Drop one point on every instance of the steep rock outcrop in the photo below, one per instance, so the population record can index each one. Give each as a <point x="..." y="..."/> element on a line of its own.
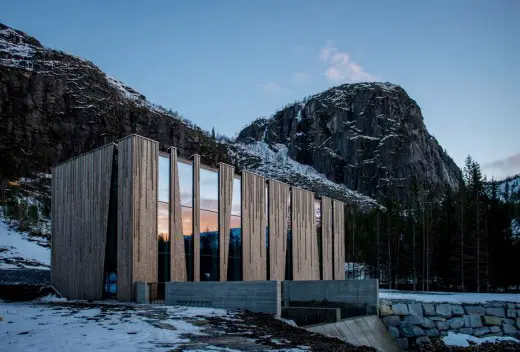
<point x="370" y="137"/>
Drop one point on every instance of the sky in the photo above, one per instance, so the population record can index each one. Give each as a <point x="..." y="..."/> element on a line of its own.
<point x="222" y="64"/>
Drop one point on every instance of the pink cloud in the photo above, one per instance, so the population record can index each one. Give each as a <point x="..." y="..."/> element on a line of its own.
<point x="341" y="67"/>
<point x="504" y="167"/>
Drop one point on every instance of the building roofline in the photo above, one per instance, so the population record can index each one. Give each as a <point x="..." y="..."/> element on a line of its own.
<point x="83" y="154"/>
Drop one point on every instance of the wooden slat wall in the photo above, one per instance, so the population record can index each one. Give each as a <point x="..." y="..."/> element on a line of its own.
<point x="254" y="253"/>
<point x="278" y="212"/>
<point x="138" y="159"/>
<point x="196" y="217"/>
<point x="225" y="198"/>
<point x="177" y="253"/>
<point x="304" y="238"/>
<point x="80" y="200"/>
<point x="338" y="209"/>
<point x="326" y="237"/>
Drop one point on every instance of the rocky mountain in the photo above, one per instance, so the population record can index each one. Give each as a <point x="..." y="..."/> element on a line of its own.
<point x="371" y="137"/>
<point x="54" y="106"/>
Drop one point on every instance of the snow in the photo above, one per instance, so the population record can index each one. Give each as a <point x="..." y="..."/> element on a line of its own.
<point x="463" y="340"/>
<point x="452" y="297"/>
<point x="36" y="327"/>
<point x="16" y="244"/>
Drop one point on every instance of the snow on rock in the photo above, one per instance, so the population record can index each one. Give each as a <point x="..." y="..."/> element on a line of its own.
<point x="16" y="250"/>
<point x="463" y="340"/>
<point x="452" y="297"/>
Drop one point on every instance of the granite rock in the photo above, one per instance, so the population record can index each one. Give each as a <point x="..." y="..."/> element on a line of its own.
<point x="392" y="320"/>
<point x="489" y="320"/>
<point x="412" y="331"/>
<point x="496" y="312"/>
<point x="481" y="331"/>
<point x="429" y="309"/>
<point x="400" y="309"/>
<point x="456" y="323"/>
<point x="472" y="321"/>
<point x="385" y="310"/>
<point x="443" y="310"/>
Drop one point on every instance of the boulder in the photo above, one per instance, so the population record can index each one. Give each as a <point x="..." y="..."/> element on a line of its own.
<point x="488" y="320"/>
<point x="509" y="330"/>
<point x="412" y="331"/>
<point x="422" y="341"/>
<point x="400" y="309"/>
<point x="385" y="310"/>
<point x="428" y="323"/>
<point x="438" y="319"/>
<point x="385" y="302"/>
<point x="432" y="333"/>
<point x="495" y="329"/>
<point x="494" y="305"/>
<point x="395" y="331"/>
<point x="496" y="312"/>
<point x="518" y="323"/>
<point x="412" y="320"/>
<point x="443" y="310"/>
<point x="456" y="323"/>
<point x="475" y="310"/>
<point x="415" y="309"/>
<point x="467" y="331"/>
<point x="443" y="325"/>
<point x="402" y="342"/>
<point x="429" y="309"/>
<point x="457" y="310"/>
<point x="472" y="321"/>
<point x="511" y="313"/>
<point x="508" y="321"/>
<point x="392" y="320"/>
<point x="481" y="331"/>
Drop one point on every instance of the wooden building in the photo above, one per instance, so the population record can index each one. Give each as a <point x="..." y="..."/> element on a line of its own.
<point x="127" y="212"/>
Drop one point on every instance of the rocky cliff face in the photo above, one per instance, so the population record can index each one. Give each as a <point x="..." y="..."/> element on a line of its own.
<point x="54" y="106"/>
<point x="368" y="136"/>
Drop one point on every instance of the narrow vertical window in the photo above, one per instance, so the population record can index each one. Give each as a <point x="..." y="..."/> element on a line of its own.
<point x="186" y="194"/>
<point x="163" y="220"/>
<point x="235" y="237"/>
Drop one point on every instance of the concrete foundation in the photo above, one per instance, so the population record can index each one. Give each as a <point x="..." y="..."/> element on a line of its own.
<point x="142" y="293"/>
<point x="354" y="297"/>
<point x="304" y="316"/>
<point x="256" y="296"/>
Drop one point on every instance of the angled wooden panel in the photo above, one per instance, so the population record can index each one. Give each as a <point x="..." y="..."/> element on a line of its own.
<point x="177" y="253"/>
<point x="196" y="217"/>
<point x="80" y="200"/>
<point x="254" y="259"/>
<point x="326" y="237"/>
<point x="278" y="215"/>
<point x="137" y="255"/>
<point x="338" y="215"/>
<point x="225" y="198"/>
<point x="304" y="238"/>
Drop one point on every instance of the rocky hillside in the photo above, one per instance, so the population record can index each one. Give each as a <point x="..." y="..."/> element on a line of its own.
<point x="370" y="137"/>
<point x="54" y="106"/>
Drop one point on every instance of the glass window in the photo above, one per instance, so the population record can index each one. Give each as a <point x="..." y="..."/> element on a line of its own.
<point x="162" y="221"/>
<point x="208" y="190"/>
<point x="164" y="179"/>
<point x="235" y="237"/>
<point x="186" y="193"/>
<point x="209" y="241"/>
<point x="236" y="208"/>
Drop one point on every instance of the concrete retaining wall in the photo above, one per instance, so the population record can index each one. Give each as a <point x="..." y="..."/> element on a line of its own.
<point x="256" y="296"/>
<point x="412" y="323"/>
<point x="354" y="297"/>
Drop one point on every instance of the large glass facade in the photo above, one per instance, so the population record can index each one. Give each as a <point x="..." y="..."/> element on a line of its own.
<point x="235" y="237"/>
<point x="163" y="220"/>
<point x="185" y="170"/>
<point x="209" y="241"/>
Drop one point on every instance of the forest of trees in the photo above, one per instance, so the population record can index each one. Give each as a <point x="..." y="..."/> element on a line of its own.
<point x="461" y="241"/>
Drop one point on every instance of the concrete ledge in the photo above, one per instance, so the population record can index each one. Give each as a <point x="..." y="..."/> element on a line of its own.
<point x="354" y="297"/>
<point x="256" y="296"/>
<point x="142" y="293"/>
<point x="304" y="316"/>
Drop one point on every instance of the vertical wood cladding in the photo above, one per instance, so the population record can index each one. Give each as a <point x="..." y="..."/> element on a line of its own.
<point x="254" y="252"/>
<point x="137" y="214"/>
<point x="196" y="217"/>
<point x="80" y="199"/>
<point x="278" y="195"/>
<point x="304" y="239"/>
<point x="225" y="199"/>
<point x="338" y="209"/>
<point x="326" y="237"/>
<point x="177" y="253"/>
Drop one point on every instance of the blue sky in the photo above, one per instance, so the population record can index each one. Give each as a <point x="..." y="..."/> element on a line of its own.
<point x="223" y="63"/>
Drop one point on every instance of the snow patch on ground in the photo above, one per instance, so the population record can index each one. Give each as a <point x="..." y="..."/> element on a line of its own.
<point x="15" y="245"/>
<point x="463" y="340"/>
<point x="452" y="297"/>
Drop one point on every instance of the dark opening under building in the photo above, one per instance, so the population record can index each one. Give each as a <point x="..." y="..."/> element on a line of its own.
<point x="127" y="213"/>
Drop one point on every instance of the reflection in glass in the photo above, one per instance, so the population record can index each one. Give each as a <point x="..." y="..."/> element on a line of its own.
<point x="236" y="209"/>
<point x="288" y="258"/>
<point x="186" y="193"/>
<point x="209" y="251"/>
<point x="208" y="190"/>
<point x="163" y="242"/>
<point x="186" y="182"/>
<point x="164" y="179"/>
<point x="235" y="249"/>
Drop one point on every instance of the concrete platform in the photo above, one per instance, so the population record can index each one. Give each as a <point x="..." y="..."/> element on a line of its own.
<point x="361" y="331"/>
